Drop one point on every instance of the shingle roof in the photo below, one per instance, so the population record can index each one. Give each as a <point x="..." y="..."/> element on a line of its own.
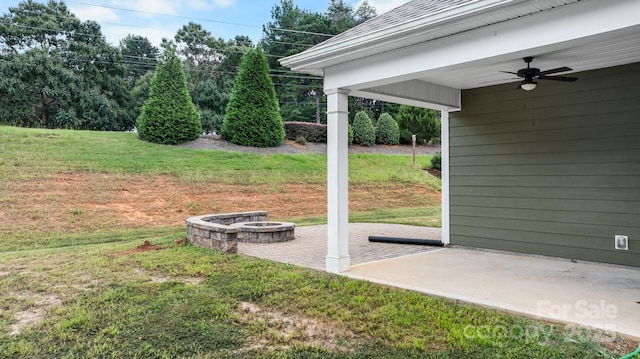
<point x="407" y="12"/>
<point x="417" y="21"/>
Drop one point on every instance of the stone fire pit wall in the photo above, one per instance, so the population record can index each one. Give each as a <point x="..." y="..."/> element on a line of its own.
<point x="213" y="231"/>
<point x="265" y="232"/>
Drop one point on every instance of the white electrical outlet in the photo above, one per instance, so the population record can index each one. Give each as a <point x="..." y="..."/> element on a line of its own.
<point x="621" y="242"/>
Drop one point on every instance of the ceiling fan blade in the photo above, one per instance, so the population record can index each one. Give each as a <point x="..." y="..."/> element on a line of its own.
<point x="509" y="72"/>
<point x="558" y="78"/>
<point x="500" y="80"/>
<point x="555" y="71"/>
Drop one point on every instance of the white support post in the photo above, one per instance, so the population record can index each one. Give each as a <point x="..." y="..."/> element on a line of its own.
<point x="338" y="259"/>
<point x="444" y="141"/>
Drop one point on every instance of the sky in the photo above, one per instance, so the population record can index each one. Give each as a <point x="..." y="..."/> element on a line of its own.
<point x="156" y="19"/>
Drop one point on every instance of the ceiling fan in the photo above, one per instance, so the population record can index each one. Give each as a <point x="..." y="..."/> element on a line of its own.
<point x="531" y="74"/>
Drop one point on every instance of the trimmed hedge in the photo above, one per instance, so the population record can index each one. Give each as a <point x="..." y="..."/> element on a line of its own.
<point x="387" y="131"/>
<point x="312" y="132"/>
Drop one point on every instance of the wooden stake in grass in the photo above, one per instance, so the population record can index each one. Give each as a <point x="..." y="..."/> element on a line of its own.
<point x="413" y="148"/>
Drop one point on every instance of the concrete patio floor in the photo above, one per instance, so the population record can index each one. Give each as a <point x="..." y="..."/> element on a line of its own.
<point x="562" y="290"/>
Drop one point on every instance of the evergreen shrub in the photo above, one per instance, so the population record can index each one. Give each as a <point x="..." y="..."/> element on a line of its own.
<point x="363" y="131"/>
<point x="253" y="114"/>
<point x="422" y="122"/>
<point x="436" y="161"/>
<point x="387" y="130"/>
<point x="169" y="116"/>
<point x="312" y="132"/>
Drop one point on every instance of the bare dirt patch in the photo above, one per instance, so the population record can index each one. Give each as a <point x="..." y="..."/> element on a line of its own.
<point x="144" y="247"/>
<point x="77" y="202"/>
<point x="32" y="316"/>
<point x="155" y="278"/>
<point x="286" y="328"/>
<point x="27" y="318"/>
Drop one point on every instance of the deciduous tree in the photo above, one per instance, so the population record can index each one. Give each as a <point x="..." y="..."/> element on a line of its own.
<point x="139" y="56"/>
<point x="59" y="72"/>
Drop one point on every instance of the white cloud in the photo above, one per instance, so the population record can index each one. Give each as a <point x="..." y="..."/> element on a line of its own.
<point x="198" y="4"/>
<point x="97" y="14"/>
<point x="383" y="6"/>
<point x="224" y="3"/>
<point x="115" y="33"/>
<point x="208" y="4"/>
<point x="148" y="6"/>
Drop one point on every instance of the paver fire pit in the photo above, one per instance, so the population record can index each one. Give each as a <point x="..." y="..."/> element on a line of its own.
<point x="265" y="232"/>
<point x="224" y="231"/>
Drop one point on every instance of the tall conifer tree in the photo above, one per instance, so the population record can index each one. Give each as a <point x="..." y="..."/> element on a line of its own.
<point x="253" y="114"/>
<point x="169" y="116"/>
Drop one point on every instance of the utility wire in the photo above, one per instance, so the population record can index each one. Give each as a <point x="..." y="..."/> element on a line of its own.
<point x="141" y="41"/>
<point x="149" y="59"/>
<point x="149" y="64"/>
<point x="152" y="66"/>
<point x="142" y="27"/>
<point x="201" y="19"/>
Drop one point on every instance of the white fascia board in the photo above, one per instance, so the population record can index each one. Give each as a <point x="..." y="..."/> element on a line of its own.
<point x="402" y="100"/>
<point x="312" y="60"/>
<point x="415" y="93"/>
<point x="571" y="25"/>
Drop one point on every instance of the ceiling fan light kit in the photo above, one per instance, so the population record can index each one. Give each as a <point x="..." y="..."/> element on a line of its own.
<point x="531" y="74"/>
<point x="528" y="85"/>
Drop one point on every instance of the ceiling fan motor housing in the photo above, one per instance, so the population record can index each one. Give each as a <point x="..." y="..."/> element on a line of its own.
<point x="530" y="74"/>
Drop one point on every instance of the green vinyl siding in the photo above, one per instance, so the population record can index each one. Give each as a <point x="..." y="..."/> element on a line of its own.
<point x="553" y="171"/>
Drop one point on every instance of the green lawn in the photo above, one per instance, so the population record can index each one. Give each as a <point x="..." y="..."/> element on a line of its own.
<point x="91" y="294"/>
<point x="32" y="152"/>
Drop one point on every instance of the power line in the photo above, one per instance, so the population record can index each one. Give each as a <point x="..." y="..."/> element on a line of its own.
<point x="201" y="19"/>
<point x="143" y="41"/>
<point x="287" y="73"/>
<point x="152" y="65"/>
<point x="102" y="36"/>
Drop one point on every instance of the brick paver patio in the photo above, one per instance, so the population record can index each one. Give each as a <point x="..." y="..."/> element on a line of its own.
<point x="309" y="249"/>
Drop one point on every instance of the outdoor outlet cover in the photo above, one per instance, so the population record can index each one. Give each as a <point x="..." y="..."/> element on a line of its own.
<point x="622" y="242"/>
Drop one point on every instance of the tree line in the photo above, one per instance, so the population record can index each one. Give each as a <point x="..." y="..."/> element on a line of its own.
<point x="57" y="71"/>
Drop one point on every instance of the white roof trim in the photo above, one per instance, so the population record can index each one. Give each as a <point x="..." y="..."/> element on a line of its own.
<point x="396" y="36"/>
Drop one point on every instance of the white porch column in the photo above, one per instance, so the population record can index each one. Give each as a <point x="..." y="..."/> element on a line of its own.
<point x="444" y="141"/>
<point x="338" y="259"/>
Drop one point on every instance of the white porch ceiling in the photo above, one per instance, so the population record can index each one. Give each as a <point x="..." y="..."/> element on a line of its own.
<point x="612" y="50"/>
